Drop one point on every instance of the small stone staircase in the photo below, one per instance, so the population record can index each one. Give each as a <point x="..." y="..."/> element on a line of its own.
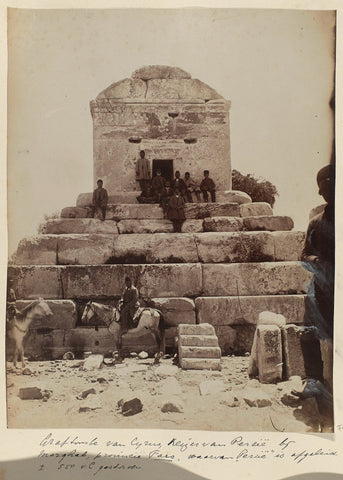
<point x="198" y="347"/>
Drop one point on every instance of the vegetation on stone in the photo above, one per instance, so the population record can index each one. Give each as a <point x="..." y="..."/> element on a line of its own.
<point x="259" y="189"/>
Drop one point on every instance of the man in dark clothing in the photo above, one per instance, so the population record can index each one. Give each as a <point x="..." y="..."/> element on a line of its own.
<point x="319" y="257"/>
<point x="143" y="172"/>
<point x="128" y="305"/>
<point x="208" y="185"/>
<point x="176" y="211"/>
<point x="166" y="194"/>
<point x="100" y="199"/>
<point x="158" y="184"/>
<point x="179" y="184"/>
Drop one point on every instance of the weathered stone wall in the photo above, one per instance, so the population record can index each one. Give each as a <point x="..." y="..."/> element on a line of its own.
<point x="179" y="119"/>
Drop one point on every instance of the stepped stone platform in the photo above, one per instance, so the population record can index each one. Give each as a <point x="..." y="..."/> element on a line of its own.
<point x="233" y="260"/>
<point x="198" y="347"/>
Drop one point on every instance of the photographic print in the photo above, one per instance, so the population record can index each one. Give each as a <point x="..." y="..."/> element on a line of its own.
<point x="171" y="180"/>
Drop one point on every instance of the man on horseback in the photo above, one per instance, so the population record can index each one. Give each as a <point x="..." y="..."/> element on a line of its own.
<point x="128" y="305"/>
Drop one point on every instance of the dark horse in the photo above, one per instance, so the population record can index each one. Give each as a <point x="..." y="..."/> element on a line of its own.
<point x="150" y="319"/>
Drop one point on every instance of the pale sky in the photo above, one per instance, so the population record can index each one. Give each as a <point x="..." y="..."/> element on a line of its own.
<point x="276" y="67"/>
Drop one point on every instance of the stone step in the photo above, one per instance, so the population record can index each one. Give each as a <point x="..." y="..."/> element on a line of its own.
<point x="160" y="280"/>
<point x="211" y="247"/>
<point x="204" y="329"/>
<point x="132" y="226"/>
<point x="198" y="341"/>
<point x="249" y="279"/>
<point x="219" y="311"/>
<point x="85" y="199"/>
<point x="201" y="364"/>
<point x="154" y="211"/>
<point x="199" y="352"/>
<point x="257" y="223"/>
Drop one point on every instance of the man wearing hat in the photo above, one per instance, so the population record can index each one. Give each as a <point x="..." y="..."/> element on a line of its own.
<point x="128" y="305"/>
<point x="100" y="199"/>
<point x="319" y="257"/>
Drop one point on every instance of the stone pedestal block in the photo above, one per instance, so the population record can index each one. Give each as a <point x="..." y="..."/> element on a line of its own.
<point x="135" y="212"/>
<point x="204" y="210"/>
<point x="255" y="279"/>
<point x="76" y="212"/>
<point x="204" y="329"/>
<point x="201" y="364"/>
<point x="31" y="282"/>
<point x="288" y="245"/>
<point x="255" y="209"/>
<point x="85" y="199"/>
<point x="158" y="226"/>
<point x="233" y="196"/>
<point x="292" y="352"/>
<point x="269" y="353"/>
<point x="244" y="310"/>
<point x="268" y="222"/>
<point x="198" y="341"/>
<point x="84" y="249"/>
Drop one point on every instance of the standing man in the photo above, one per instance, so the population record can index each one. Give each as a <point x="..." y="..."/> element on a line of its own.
<point x="100" y="199"/>
<point x="143" y="172"/>
<point x="128" y="305"/>
<point x="158" y="184"/>
<point x="179" y="184"/>
<point x="319" y="257"/>
<point x="176" y="212"/>
<point x="208" y="185"/>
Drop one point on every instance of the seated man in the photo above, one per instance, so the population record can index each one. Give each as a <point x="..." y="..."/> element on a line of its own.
<point x="157" y="184"/>
<point x="147" y="196"/>
<point x="179" y="184"/>
<point x="100" y="199"/>
<point x="128" y="305"/>
<point x="191" y="186"/>
<point x="208" y="185"/>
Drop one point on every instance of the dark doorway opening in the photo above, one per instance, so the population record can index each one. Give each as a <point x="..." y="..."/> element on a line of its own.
<point x="166" y="167"/>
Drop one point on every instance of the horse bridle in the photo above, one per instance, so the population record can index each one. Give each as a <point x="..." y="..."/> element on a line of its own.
<point x="89" y="304"/>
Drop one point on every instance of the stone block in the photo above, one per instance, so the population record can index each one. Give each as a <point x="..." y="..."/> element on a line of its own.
<point x="93" y="362"/>
<point x="64" y="314"/>
<point x="256" y="398"/>
<point x="255" y="209"/>
<point x="233" y="196"/>
<point x="80" y="226"/>
<point x="76" y="212"/>
<point x="234" y="247"/>
<point x="159" y="71"/>
<point x="288" y="245"/>
<point x="127" y="88"/>
<point x="268" y="222"/>
<point x="84" y="339"/>
<point x="84" y="249"/>
<point x="269" y="353"/>
<point x="199" y="352"/>
<point x="157" y="226"/>
<point x="204" y="329"/>
<point x="36" y="281"/>
<point x="176" y="310"/>
<point x="244" y="310"/>
<point x="173" y="406"/>
<point x="179" y="88"/>
<point x="101" y="281"/>
<point x="30" y="393"/>
<point x="223" y="224"/>
<point x="200" y="364"/>
<point x="136" y="212"/>
<point x="85" y="199"/>
<point x="271" y="318"/>
<point x="204" y="210"/>
<point x="198" y="340"/>
<point x="154" y="248"/>
<point x="272" y="278"/>
<point x="292" y="352"/>
<point x="39" y="250"/>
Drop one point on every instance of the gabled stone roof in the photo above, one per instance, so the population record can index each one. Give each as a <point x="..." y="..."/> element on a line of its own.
<point x="156" y="82"/>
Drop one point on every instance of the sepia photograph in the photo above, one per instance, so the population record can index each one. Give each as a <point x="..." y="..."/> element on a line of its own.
<point x="171" y="230"/>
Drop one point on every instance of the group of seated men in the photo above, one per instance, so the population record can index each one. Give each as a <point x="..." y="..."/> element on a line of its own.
<point x="159" y="190"/>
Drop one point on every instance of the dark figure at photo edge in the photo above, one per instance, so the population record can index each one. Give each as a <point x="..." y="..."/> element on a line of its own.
<point x="318" y="256"/>
<point x="100" y="199"/>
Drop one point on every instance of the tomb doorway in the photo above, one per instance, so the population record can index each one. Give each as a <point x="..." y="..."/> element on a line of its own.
<point x="166" y="167"/>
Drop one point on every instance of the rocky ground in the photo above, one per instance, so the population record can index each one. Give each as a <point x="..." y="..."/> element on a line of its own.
<point x="77" y="393"/>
